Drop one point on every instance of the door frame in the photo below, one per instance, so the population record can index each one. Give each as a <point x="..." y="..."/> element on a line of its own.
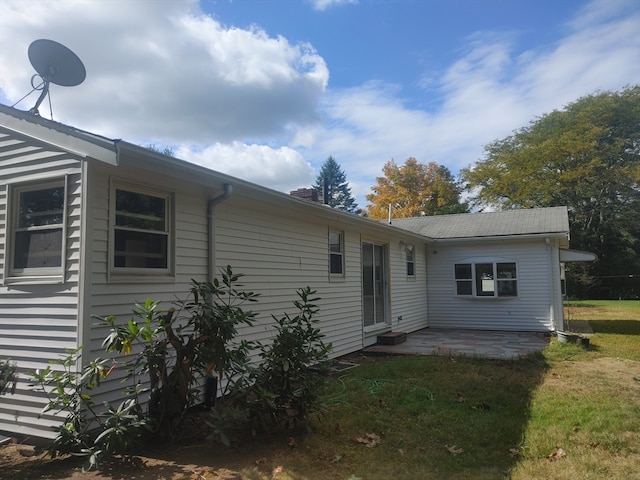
<point x="384" y="297"/>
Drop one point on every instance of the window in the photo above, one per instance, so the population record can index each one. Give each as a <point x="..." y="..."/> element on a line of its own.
<point x="37" y="237"/>
<point x="141" y="225"/>
<point x="486" y="279"/>
<point x="411" y="260"/>
<point x="336" y="253"/>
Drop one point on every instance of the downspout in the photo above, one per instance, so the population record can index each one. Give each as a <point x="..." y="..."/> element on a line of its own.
<point x="211" y="215"/>
<point x="211" y="382"/>
<point x="556" y="316"/>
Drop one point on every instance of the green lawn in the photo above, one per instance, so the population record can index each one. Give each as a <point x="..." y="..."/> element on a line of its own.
<point x="567" y="413"/>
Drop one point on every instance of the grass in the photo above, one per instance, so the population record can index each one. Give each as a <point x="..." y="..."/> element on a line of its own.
<point x="566" y="413"/>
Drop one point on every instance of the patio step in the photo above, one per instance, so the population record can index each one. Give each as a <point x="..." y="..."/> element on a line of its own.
<point x="392" y="338"/>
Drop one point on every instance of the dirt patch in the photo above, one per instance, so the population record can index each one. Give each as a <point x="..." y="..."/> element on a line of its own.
<point x="210" y="462"/>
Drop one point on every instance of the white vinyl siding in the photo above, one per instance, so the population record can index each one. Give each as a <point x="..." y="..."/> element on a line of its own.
<point x="38" y="320"/>
<point x="279" y="246"/>
<point x="408" y="294"/>
<point x="530" y="310"/>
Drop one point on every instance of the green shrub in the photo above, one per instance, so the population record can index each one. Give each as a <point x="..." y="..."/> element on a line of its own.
<point x="88" y="429"/>
<point x="285" y="385"/>
<point x="178" y="348"/>
<point x="7" y="376"/>
<point x="167" y="355"/>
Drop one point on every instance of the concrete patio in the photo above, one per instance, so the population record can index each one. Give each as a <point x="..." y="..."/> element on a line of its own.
<point x="479" y="343"/>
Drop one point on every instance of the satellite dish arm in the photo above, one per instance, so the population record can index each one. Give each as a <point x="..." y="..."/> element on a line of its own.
<point x="43" y="94"/>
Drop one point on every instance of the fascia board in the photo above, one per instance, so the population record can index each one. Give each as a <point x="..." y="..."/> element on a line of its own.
<point x="81" y="144"/>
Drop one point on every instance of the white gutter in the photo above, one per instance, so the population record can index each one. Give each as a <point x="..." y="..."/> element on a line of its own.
<point x="557" y="313"/>
<point x="211" y="216"/>
<point x="524" y="236"/>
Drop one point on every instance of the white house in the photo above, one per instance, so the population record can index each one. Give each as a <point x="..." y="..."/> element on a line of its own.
<point x="91" y="225"/>
<point x="496" y="270"/>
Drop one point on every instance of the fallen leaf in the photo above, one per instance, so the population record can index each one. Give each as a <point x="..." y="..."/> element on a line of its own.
<point x="459" y="398"/>
<point x="370" y="440"/>
<point x="401" y="452"/>
<point x="278" y="470"/>
<point x="261" y="461"/>
<point x="481" y="406"/>
<point x="514" y="452"/>
<point x="336" y="459"/>
<point x="454" y="449"/>
<point x="293" y="443"/>
<point x="557" y="454"/>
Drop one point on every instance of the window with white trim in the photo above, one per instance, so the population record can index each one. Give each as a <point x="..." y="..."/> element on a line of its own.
<point x="336" y="253"/>
<point x="411" y="260"/>
<point x="141" y="227"/>
<point x="486" y="279"/>
<point x="37" y="233"/>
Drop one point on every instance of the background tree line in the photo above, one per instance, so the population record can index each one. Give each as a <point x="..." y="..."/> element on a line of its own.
<point x="585" y="157"/>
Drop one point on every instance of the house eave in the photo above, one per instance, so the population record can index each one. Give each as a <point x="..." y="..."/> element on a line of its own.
<point x="567" y="255"/>
<point x="136" y="156"/>
<point x="77" y="142"/>
<point x="562" y="236"/>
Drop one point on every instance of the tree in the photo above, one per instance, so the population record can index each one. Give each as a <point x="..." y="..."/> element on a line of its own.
<point x="414" y="189"/>
<point x="586" y="157"/>
<point x="333" y="188"/>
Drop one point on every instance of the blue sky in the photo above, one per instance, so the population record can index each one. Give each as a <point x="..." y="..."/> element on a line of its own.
<point x="266" y="90"/>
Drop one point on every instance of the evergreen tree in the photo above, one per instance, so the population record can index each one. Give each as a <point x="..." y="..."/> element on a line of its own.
<point x="333" y="188"/>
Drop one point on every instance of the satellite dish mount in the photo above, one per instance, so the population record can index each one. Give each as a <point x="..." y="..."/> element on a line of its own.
<point x="55" y="64"/>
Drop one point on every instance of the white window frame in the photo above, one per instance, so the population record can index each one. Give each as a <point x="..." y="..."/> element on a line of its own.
<point x="492" y="283"/>
<point x="142" y="274"/>
<point x="53" y="274"/>
<point x="410" y="258"/>
<point x="332" y="253"/>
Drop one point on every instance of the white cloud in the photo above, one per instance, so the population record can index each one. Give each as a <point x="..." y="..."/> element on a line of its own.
<point x="168" y="74"/>
<point x="282" y="168"/>
<point x="322" y="5"/>
<point x="491" y="90"/>
<point x="165" y="71"/>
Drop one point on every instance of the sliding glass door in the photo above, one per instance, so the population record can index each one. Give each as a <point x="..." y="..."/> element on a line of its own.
<point x="374" y="284"/>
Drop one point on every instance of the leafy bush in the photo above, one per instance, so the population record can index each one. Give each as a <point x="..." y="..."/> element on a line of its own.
<point x="7" y="376"/>
<point x="177" y="349"/>
<point x="167" y="355"/>
<point x="286" y="383"/>
<point x="88" y="430"/>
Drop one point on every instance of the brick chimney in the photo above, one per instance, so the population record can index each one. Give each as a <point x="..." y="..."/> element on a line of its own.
<point x="309" y="194"/>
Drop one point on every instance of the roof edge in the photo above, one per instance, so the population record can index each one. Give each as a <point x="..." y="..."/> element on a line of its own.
<point x="72" y="140"/>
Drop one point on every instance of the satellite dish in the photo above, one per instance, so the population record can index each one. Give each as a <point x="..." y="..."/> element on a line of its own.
<point x="55" y="64"/>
